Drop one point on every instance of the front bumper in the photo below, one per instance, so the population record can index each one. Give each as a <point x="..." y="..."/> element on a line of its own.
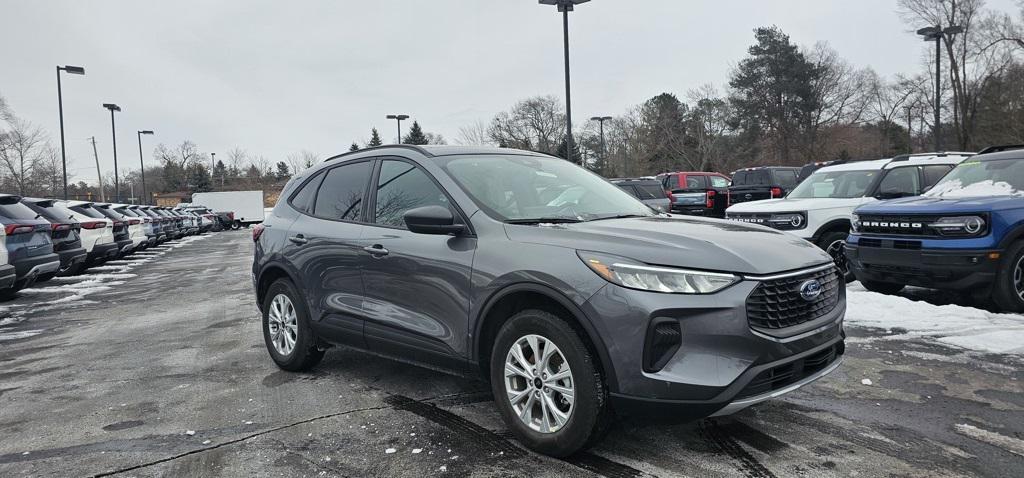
<point x="720" y="360"/>
<point x="932" y="268"/>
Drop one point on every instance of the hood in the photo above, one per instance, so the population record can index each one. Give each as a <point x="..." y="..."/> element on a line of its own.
<point x="793" y="205"/>
<point x="696" y="243"/>
<point x="940" y="205"/>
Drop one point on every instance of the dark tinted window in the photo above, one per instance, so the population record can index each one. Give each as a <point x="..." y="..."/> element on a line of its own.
<point x="106" y="211"/>
<point x="629" y="189"/>
<point x="303" y="198"/>
<point x="342" y="191"/>
<point x="88" y="211"/>
<point x="785" y="177"/>
<point x="401" y="187"/>
<point x="649" y="191"/>
<point x="17" y="211"/>
<point x="696" y="182"/>
<point x="932" y="174"/>
<point x="758" y="177"/>
<point x="901" y="181"/>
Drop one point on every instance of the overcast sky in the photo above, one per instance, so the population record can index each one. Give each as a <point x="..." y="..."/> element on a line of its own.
<point x="277" y="77"/>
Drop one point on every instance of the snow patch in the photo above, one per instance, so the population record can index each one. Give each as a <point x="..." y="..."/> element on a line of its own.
<point x="1010" y="444"/>
<point x="988" y="187"/>
<point x="962" y="327"/>
<point x="21" y="334"/>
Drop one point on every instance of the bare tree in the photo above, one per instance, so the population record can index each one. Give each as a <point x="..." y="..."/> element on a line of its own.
<point x="474" y="135"/>
<point x="535" y="124"/>
<point x="974" y="57"/>
<point x="22" y="146"/>
<point x="709" y="124"/>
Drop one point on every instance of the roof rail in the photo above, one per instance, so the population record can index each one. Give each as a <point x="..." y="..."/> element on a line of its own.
<point x="422" y="151"/>
<point x="997" y="149"/>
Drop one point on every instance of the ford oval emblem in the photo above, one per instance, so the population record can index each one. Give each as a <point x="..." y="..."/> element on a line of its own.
<point x="810" y="290"/>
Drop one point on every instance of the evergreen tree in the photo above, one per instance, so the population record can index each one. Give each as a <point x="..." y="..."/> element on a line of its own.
<point x="575" y="150"/>
<point x="198" y="177"/>
<point x="282" y="171"/>
<point x="374" y="139"/>
<point x="354" y="147"/>
<point x="219" y="173"/>
<point x="415" y="135"/>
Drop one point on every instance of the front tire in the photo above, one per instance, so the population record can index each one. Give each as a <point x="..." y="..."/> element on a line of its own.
<point x="286" y="331"/>
<point x="834" y="244"/>
<point x="1008" y="290"/>
<point x="547" y="386"/>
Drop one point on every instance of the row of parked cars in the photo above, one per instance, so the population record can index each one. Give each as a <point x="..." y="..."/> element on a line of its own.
<point x="43" y="238"/>
<point x="945" y="220"/>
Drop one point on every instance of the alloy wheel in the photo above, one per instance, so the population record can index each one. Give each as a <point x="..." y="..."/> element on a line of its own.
<point x="539" y="384"/>
<point x="1018" y="278"/>
<point x="837" y="251"/>
<point x="283" y="324"/>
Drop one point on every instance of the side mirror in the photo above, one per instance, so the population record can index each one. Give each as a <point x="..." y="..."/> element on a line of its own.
<point x="432" y="220"/>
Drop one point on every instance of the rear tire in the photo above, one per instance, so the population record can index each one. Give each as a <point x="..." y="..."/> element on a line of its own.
<point x="580" y="399"/>
<point x="286" y="330"/>
<point x="236" y="225"/>
<point x="834" y="244"/>
<point x="882" y="287"/>
<point x="1008" y="289"/>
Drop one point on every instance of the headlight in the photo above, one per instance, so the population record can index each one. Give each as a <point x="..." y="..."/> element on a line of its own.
<point x="855" y="223"/>
<point x="787" y="221"/>
<point x="960" y="226"/>
<point x="637" y="275"/>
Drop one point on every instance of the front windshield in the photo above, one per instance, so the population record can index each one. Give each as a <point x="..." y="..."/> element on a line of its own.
<point x="531" y="188"/>
<point x="1001" y="177"/>
<point x="834" y="184"/>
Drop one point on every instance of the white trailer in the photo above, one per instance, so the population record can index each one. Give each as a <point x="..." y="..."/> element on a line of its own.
<point x="246" y="205"/>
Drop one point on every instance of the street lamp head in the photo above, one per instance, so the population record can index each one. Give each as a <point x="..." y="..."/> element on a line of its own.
<point x="73" y="70"/>
<point x="953" y="30"/>
<point x="145" y="132"/>
<point x="927" y="31"/>
<point x="111" y="107"/>
<point x="563" y="5"/>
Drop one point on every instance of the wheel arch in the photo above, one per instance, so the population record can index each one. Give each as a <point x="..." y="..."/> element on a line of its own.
<point x="834" y="225"/>
<point x="503" y="303"/>
<point x="267" y="276"/>
<point x="1016" y="233"/>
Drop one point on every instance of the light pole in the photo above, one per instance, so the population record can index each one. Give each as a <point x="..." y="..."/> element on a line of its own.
<point x="566" y="6"/>
<point x="142" y="166"/>
<point x="937" y="33"/>
<point x="601" y="120"/>
<point x="72" y="70"/>
<point x="399" y="118"/>
<point x="113" y="134"/>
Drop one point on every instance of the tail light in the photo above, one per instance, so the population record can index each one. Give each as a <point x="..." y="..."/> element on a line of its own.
<point x="133" y="222"/>
<point x="710" y="201"/>
<point x="776" y="192"/>
<point x="12" y="229"/>
<point x="61" y="227"/>
<point x="231" y="216"/>
<point x="118" y="223"/>
<point x="257" y="231"/>
<point x="671" y="197"/>
<point x="146" y="220"/>
<point x="728" y="198"/>
<point x="94" y="225"/>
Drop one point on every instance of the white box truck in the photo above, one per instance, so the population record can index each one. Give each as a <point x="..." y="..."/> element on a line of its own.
<point x="247" y="206"/>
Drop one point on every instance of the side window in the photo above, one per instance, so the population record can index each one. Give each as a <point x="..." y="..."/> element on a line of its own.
<point x="900" y="181"/>
<point x="932" y="174"/>
<point x="342" y="191"/>
<point x="629" y="189"/>
<point x="649" y="191"/>
<point x="695" y="182"/>
<point x="785" y="177"/>
<point x="303" y="198"/>
<point x="401" y="187"/>
<point x="719" y="182"/>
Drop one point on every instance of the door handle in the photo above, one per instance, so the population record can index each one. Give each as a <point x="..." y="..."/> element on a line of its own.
<point x="376" y="250"/>
<point x="298" y="239"/>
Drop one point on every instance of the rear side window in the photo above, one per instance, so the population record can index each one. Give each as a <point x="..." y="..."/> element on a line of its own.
<point x="401" y="187"/>
<point x="341" y="193"/>
<point x="303" y="198"/>
<point x="785" y="177"/>
<point x="696" y="182"/>
<point x="629" y="189"/>
<point x="932" y="174"/>
<point x="88" y="211"/>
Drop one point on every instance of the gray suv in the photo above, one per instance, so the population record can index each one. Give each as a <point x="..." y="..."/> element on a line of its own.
<point x="571" y="297"/>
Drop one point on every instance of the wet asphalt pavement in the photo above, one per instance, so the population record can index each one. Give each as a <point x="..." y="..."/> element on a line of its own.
<point x="155" y="366"/>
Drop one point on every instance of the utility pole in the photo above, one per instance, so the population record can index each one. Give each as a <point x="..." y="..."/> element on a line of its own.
<point x="99" y="175"/>
<point x="910" y="130"/>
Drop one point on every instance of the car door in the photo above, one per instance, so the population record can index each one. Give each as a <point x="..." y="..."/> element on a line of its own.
<point x="323" y="245"/>
<point x="417" y="299"/>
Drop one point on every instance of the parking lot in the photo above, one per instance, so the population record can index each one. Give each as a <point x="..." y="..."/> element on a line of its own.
<point x="161" y="371"/>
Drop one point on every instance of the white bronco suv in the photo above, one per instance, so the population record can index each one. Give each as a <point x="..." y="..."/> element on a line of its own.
<point x="819" y="208"/>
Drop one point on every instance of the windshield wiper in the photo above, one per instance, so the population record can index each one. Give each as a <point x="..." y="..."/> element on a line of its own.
<point x="545" y="220"/>
<point x="619" y="216"/>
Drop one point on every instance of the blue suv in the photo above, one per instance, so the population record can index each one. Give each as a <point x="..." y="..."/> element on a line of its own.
<point x="966" y="233"/>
